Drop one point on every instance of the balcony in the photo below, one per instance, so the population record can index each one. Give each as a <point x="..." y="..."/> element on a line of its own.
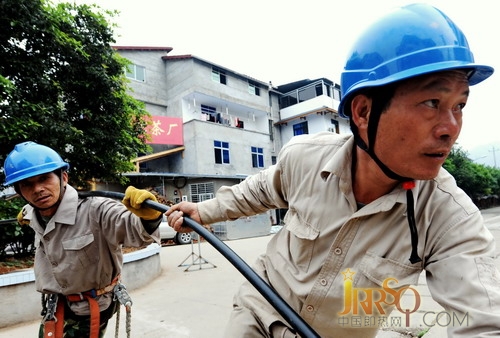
<point x="202" y="107"/>
<point x="320" y="96"/>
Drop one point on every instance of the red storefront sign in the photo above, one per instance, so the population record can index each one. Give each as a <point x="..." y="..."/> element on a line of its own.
<point x="165" y="130"/>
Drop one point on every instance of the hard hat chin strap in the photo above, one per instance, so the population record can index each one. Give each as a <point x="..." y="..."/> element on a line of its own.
<point x="407" y="183"/>
<point x="370" y="148"/>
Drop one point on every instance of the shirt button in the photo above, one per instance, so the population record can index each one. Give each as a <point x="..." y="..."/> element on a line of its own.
<point x="323" y="282"/>
<point x="338" y="251"/>
<point x="310" y="308"/>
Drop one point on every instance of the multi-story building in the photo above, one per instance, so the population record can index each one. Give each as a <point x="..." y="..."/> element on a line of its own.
<point x="308" y="107"/>
<point x="213" y="126"/>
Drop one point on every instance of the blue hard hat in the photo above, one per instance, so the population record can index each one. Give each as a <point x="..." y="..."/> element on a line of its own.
<point x="410" y="41"/>
<point x="29" y="159"/>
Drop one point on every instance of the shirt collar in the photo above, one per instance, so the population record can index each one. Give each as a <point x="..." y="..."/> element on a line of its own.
<point x="66" y="213"/>
<point x="341" y="162"/>
<point x="340" y="165"/>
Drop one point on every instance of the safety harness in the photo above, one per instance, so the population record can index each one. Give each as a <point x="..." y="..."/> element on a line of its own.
<point x="53" y="309"/>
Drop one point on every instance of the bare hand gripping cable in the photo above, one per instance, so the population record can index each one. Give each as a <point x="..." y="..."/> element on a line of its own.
<point x="298" y="324"/>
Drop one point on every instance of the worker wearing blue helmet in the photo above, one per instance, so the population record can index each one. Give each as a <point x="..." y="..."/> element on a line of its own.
<point x="368" y="212"/>
<point x="78" y="257"/>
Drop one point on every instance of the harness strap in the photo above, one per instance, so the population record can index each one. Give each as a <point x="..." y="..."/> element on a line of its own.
<point x="54" y="327"/>
<point x="95" y="313"/>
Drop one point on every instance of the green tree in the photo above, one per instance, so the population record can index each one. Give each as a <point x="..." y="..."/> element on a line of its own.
<point x="14" y="237"/>
<point x="64" y="86"/>
<point x="475" y="179"/>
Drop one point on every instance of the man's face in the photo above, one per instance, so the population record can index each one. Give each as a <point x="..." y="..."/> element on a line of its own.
<point x="43" y="191"/>
<point x="421" y="124"/>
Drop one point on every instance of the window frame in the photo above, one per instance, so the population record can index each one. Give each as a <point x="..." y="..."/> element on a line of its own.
<point x="219" y="75"/>
<point x="257" y="157"/>
<point x="300" y="128"/>
<point x="253" y="88"/>
<point x="132" y="71"/>
<point x="221" y="152"/>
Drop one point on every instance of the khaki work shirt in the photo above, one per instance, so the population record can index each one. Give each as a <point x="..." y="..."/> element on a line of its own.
<point x="332" y="261"/>
<point x="80" y="248"/>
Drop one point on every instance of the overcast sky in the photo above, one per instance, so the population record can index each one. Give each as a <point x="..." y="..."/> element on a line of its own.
<point x="285" y="41"/>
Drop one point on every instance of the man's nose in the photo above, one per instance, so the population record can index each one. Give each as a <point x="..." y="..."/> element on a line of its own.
<point x="449" y="124"/>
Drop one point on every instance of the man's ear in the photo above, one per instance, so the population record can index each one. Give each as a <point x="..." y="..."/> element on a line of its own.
<point x="64" y="176"/>
<point x="360" y="111"/>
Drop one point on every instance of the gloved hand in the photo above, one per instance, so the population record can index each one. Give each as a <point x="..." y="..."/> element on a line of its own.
<point x="133" y="201"/>
<point x="21" y="220"/>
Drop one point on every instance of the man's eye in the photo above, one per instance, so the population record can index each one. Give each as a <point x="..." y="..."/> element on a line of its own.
<point x="43" y="178"/>
<point x="25" y="184"/>
<point x="432" y="103"/>
<point x="458" y="108"/>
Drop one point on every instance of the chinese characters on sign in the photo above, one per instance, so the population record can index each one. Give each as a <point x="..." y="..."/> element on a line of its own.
<point x="165" y="130"/>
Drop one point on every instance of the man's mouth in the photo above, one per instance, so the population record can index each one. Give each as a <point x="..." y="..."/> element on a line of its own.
<point x="436" y="155"/>
<point x="42" y="199"/>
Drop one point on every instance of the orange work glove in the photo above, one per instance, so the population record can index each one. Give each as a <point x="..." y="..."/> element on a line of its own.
<point x="133" y="201"/>
<point x="21" y="220"/>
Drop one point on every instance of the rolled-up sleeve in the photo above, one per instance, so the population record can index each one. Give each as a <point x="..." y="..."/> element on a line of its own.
<point x="255" y="195"/>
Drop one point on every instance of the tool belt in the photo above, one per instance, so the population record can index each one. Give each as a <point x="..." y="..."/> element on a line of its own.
<point x="53" y="309"/>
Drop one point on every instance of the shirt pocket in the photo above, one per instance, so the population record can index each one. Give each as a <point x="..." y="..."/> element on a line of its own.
<point x="301" y="239"/>
<point x="386" y="281"/>
<point x="82" y="249"/>
<point x="377" y="269"/>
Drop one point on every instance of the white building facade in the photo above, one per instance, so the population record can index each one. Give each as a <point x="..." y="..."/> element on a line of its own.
<point x="229" y="126"/>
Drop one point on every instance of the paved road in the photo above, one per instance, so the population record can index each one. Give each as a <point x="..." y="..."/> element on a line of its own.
<point x="192" y="296"/>
<point x="492" y="220"/>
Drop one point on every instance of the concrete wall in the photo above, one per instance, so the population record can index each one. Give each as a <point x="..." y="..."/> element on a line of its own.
<point x="153" y="89"/>
<point x="184" y="76"/>
<point x="183" y="85"/>
<point x="21" y="301"/>
<point x="199" y="154"/>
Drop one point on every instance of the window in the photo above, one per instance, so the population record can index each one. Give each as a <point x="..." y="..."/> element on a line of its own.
<point x="221" y="152"/>
<point x="288" y="100"/>
<point x="271" y="129"/>
<point x="209" y="113"/>
<point x="336" y="93"/>
<point x="335" y="127"/>
<point x="208" y="109"/>
<point x="137" y="73"/>
<point x="253" y="88"/>
<point x="201" y="191"/>
<point x="218" y="75"/>
<point x="309" y="93"/>
<point x="257" y="157"/>
<point x="300" y="128"/>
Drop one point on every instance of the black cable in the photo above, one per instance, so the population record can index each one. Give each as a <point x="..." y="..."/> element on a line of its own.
<point x="8" y="221"/>
<point x="410" y="212"/>
<point x="298" y="324"/>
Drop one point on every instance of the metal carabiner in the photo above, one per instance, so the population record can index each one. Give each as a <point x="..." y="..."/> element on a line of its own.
<point x="50" y="307"/>
<point x="121" y="294"/>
